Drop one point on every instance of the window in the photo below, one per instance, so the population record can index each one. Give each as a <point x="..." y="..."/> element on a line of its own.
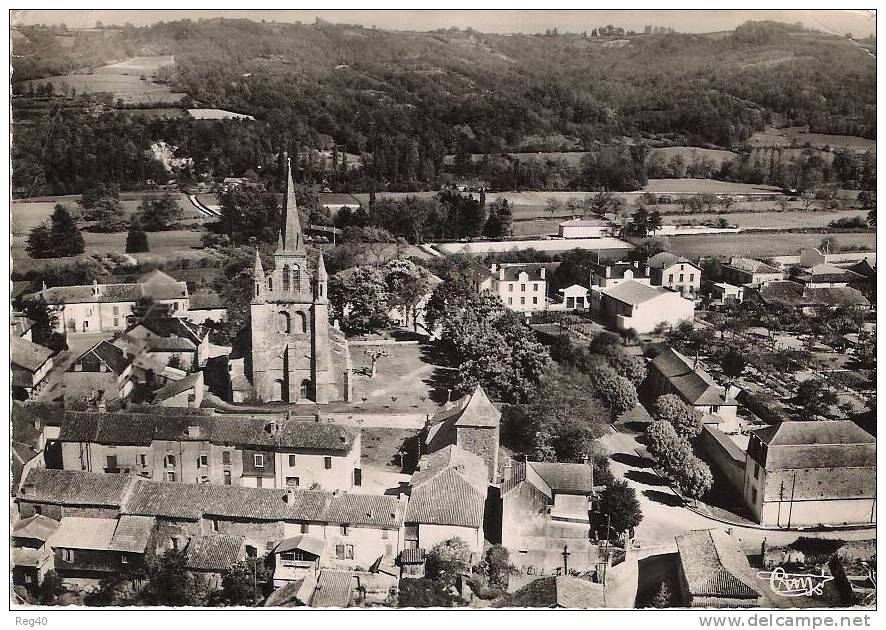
<point x="535" y="287"/>
<point x="226" y="457"/>
<point x="715" y="408"/>
<point x="511" y="286"/>
<point x="170" y="476"/>
<point x="112" y="462"/>
<point x="756" y="470"/>
<point x="345" y="530"/>
<point x="259" y="482"/>
<point x="681" y="277"/>
<point x="144" y="460"/>
<point x="204" y="460"/>
<point x="286" y="278"/>
<point x="522" y="288"/>
<point x="327" y="462"/>
<point x="358" y="477"/>
<point x="305" y="528"/>
<point x="349" y="552"/>
<point x="227" y="477"/>
<point x="670" y="277"/>
<point x="116" y="310"/>
<point x="691" y="277"/>
<point x="535" y="300"/>
<point x="292" y="461"/>
<point x="116" y="321"/>
<point x="173" y="543"/>
<point x="753" y="495"/>
<point x="510" y="301"/>
<point x="258" y="460"/>
<point x="522" y="300"/>
<point x="344" y="552"/>
<point x="68" y="555"/>
<point x="292" y="482"/>
<point x="170" y="461"/>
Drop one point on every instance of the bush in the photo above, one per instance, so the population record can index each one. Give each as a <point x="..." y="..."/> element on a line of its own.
<point x="687" y="421"/>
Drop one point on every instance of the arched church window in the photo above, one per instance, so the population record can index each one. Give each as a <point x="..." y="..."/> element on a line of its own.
<point x="301" y="322"/>
<point x="296" y="278"/>
<point x="285" y="277"/>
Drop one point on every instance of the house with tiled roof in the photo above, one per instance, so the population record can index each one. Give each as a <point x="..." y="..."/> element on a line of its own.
<point x="714" y="571"/>
<point x="103" y="372"/>
<point x="447" y="498"/>
<point x="471" y="423"/>
<point x="811" y="473"/>
<point x="674" y="272"/>
<point x="107" y="307"/>
<point x="556" y="591"/>
<point x="296" y="558"/>
<point x="30" y="364"/>
<point x="171" y="341"/>
<point x="793" y="294"/>
<point x="31" y="557"/>
<point x="207" y="305"/>
<point x="606" y="275"/>
<point x="82" y="547"/>
<point x="210" y="555"/>
<point x="273" y="452"/>
<point x="523" y="287"/>
<point x="632" y="304"/>
<point x="335" y="589"/>
<point x="749" y="272"/>
<point x="21" y="326"/>
<point x="356" y="529"/>
<point x="674" y="373"/>
<point x="824" y="276"/>
<point x="188" y="392"/>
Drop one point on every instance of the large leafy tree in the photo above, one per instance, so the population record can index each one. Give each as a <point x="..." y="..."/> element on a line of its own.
<point x="169" y="583"/>
<point x="360" y="299"/>
<point x="107" y="215"/>
<point x="245" y="583"/>
<point x="619" y="502"/>
<point x="686" y="420"/>
<point x="425" y="593"/>
<point x="447" y="560"/>
<point x="249" y="212"/>
<point x="408" y="284"/>
<point x="58" y="238"/>
<point x="159" y="213"/>
<point x="618" y="393"/>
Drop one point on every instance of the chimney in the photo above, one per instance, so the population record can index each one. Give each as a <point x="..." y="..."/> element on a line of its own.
<point x="494" y="267"/>
<point x="501" y="273"/>
<point x="194" y="431"/>
<point x="542" y="272"/>
<point x="101" y="405"/>
<point x="289" y="497"/>
<point x="584" y="458"/>
<point x="271" y="427"/>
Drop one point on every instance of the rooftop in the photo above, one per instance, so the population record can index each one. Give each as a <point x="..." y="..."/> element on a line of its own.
<point x="333" y="590"/>
<point x="37" y="527"/>
<point x="694" y="385"/>
<point x="617" y="270"/>
<point x="751" y="266"/>
<point x="472" y="410"/>
<point x="79" y="532"/>
<point x="561" y="591"/>
<point x="634" y="293"/>
<point x="27" y="354"/>
<point x="213" y="552"/>
<point x="665" y="259"/>
<point x="565" y="478"/>
<point x="74" y="487"/>
<point x="587" y="222"/>
<point x="173" y="388"/>
<point x="132" y="533"/>
<point x="715" y="565"/>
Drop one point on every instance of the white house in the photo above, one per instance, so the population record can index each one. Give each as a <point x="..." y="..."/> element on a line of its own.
<point x="592" y="227"/>
<point x="607" y="275"/>
<point x="31" y="363"/>
<point x="639" y="306"/>
<point x="574" y="297"/>
<point x="674" y="272"/>
<point x="522" y="287"/>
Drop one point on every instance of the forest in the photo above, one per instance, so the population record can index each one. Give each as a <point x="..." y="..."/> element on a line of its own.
<point x="402" y="101"/>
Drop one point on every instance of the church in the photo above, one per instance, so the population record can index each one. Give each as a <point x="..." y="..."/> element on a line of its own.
<point x="297" y="355"/>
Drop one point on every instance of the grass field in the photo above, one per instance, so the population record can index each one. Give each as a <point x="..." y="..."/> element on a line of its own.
<point x="689" y="185"/>
<point x="164" y="246"/>
<point x="772" y="137"/>
<point x="692" y="153"/>
<point x="379" y="445"/>
<point x="28" y="213"/>
<point x="779" y="244"/>
<point x="123" y="80"/>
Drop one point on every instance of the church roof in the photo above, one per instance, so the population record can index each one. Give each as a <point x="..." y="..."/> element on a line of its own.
<point x="472" y="410"/>
<point x="292" y="241"/>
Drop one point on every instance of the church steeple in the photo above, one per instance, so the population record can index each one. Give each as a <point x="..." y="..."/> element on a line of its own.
<point x="258" y="273"/>
<point x="292" y="241"/>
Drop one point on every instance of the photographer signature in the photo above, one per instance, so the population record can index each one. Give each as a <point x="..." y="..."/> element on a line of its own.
<point x="795" y="584"/>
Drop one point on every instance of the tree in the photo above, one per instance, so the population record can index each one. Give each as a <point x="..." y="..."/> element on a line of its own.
<point x="661" y="438"/>
<point x="447" y="560"/>
<point x="169" y="583"/>
<point x="618" y="393"/>
<point x="374" y="354"/>
<point x="693" y="478"/>
<point x="56" y="239"/>
<point x="663" y="597"/>
<point x="245" y="583"/>
<point x="408" y="285"/>
<point x="51" y="588"/>
<point x="816" y="397"/>
<point x="107" y="214"/>
<point x="249" y="212"/>
<point x="425" y="593"/>
<point x="631" y="367"/>
<point x="96" y="191"/>
<point x="553" y="206"/>
<point x="807" y="198"/>
<point x="45" y="319"/>
<point x="159" y="213"/>
<point x="686" y="420"/>
<point x="619" y="502"/>
<point x="498" y="222"/>
<point x="733" y="363"/>
<point x="563" y="419"/>
<point x="136" y="239"/>
<point x="360" y="299"/>
<point x="498" y="567"/>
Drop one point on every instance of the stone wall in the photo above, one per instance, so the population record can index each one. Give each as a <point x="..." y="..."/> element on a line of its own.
<point x="483" y="442"/>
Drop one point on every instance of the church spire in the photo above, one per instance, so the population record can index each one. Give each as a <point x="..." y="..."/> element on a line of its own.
<point x="292" y="241"/>
<point x="258" y="273"/>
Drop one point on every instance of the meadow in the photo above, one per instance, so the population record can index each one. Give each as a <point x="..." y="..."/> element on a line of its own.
<point x="761" y="244"/>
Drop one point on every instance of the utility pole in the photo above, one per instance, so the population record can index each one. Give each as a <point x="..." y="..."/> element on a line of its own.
<point x="566" y="555"/>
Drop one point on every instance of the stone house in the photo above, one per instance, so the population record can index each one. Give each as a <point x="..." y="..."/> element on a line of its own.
<point x="811" y="473"/>
<point x="673" y="373"/>
<point x="608" y="275"/>
<point x="188" y="392"/>
<point x="218" y="449"/>
<point x="30" y="363"/>
<point x="749" y="272"/>
<point x="523" y="287"/>
<point x="31" y="558"/>
<point x="471" y="423"/>
<point x="714" y="572"/>
<point x="210" y="555"/>
<point x="103" y="372"/>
